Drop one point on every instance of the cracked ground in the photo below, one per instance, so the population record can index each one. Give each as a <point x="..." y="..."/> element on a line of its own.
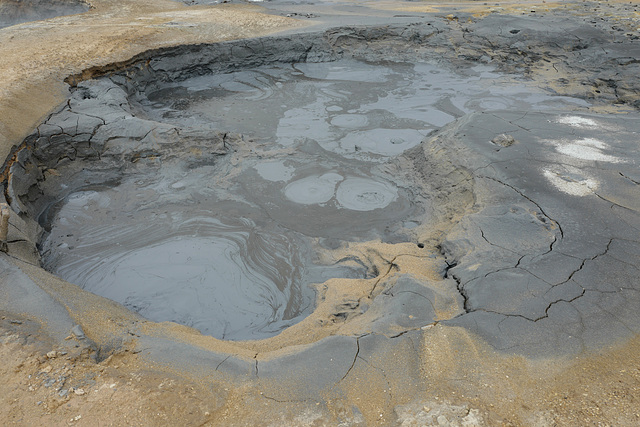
<point x="517" y="303"/>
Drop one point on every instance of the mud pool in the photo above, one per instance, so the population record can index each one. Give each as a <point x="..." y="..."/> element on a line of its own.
<point x="355" y="109"/>
<point x="487" y="273"/>
<point x="231" y="246"/>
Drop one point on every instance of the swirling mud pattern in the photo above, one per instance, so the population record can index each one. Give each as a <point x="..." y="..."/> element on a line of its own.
<point x="226" y="278"/>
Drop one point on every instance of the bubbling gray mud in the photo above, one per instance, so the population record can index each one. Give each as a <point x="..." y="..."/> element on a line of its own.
<point x="174" y="247"/>
<point x="229" y="247"/>
<point x="351" y="108"/>
<point x="226" y="277"/>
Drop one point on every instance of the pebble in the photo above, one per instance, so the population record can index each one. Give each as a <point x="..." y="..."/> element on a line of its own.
<point x="52" y="354"/>
<point x="78" y="332"/>
<point x="504" y="140"/>
<point x="79" y="391"/>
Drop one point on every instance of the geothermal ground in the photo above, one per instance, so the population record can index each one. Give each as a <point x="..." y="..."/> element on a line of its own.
<point x="332" y="213"/>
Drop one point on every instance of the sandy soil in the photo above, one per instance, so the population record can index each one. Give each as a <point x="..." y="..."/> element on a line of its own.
<point x="496" y="390"/>
<point x="110" y="393"/>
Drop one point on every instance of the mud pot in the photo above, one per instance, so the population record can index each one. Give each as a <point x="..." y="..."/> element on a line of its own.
<point x="227" y="244"/>
<point x="368" y="201"/>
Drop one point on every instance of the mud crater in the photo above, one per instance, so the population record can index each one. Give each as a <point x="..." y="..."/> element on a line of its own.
<point x="202" y="184"/>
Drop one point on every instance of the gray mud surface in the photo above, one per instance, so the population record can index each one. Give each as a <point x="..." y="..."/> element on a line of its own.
<point x="282" y="160"/>
<point x="225" y="244"/>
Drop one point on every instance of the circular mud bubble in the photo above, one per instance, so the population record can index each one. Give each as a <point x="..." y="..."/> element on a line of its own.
<point x="350" y="121"/>
<point x="386" y="142"/>
<point x="361" y="194"/>
<point x="316" y="189"/>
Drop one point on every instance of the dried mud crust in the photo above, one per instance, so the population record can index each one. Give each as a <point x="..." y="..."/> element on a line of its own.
<point x="346" y="371"/>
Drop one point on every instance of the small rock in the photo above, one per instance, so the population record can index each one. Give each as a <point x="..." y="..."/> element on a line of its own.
<point x="79" y="391"/>
<point x="442" y="420"/>
<point x="52" y="354"/>
<point x="47" y="369"/>
<point x="473" y="418"/>
<point x="78" y="332"/>
<point x="504" y="140"/>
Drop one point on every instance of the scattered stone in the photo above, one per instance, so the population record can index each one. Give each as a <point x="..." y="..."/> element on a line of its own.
<point x="504" y="140"/>
<point x="78" y="332"/>
<point x="303" y="15"/>
<point x="438" y="414"/>
<point x="79" y="391"/>
<point x="52" y="354"/>
<point x="47" y="369"/>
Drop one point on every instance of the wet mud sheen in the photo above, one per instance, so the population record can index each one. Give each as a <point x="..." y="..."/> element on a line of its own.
<point x="206" y="192"/>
